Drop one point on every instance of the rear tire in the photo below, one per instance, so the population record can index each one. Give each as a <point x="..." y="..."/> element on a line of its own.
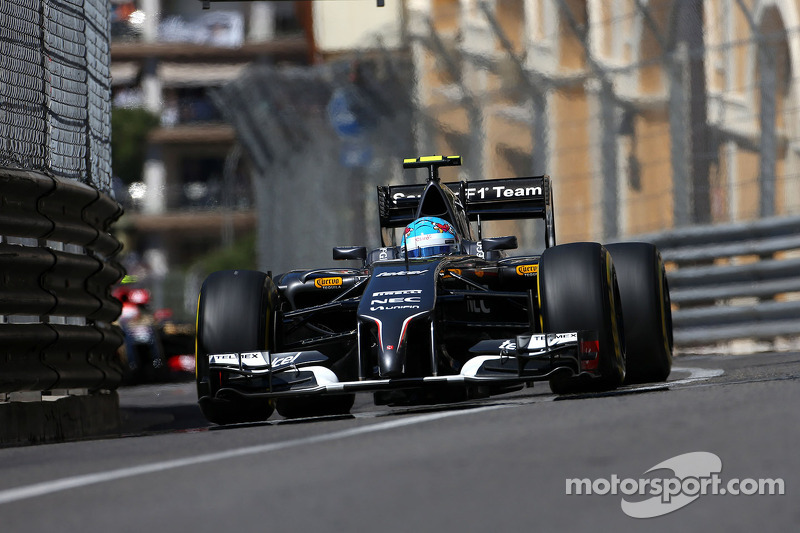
<point x="646" y="310"/>
<point x="578" y="291"/>
<point x="234" y="314"/>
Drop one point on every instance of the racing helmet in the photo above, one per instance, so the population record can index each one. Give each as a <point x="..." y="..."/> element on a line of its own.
<point x="429" y="236"/>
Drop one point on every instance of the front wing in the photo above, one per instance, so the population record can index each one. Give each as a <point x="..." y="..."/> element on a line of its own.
<point x="501" y="363"/>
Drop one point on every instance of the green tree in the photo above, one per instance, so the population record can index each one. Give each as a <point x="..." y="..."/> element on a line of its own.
<point x="241" y="254"/>
<point x="129" y="129"/>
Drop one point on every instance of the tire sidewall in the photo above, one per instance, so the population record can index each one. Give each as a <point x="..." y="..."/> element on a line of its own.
<point x="234" y="314"/>
<point x="578" y="291"/>
<point x="646" y="310"/>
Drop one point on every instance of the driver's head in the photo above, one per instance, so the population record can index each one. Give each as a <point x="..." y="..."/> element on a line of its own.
<point x="429" y="236"/>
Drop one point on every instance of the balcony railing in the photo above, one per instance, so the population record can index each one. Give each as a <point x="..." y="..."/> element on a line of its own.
<point x="221" y="28"/>
<point x="190" y="196"/>
<point x="190" y="110"/>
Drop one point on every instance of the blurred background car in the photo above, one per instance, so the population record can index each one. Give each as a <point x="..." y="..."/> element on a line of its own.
<point x="156" y="348"/>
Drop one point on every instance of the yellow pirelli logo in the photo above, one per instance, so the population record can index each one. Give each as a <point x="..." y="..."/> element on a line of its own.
<point x="327" y="283"/>
<point x="526" y="270"/>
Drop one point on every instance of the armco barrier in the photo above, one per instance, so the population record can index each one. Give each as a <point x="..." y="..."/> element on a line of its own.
<point x="57" y="269"/>
<point x="735" y="281"/>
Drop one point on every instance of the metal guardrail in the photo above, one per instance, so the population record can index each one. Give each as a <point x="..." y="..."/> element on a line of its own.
<point x="56" y="272"/>
<point x="735" y="281"/>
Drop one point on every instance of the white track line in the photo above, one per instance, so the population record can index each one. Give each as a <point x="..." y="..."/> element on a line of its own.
<point x="73" y="482"/>
<point x="695" y="374"/>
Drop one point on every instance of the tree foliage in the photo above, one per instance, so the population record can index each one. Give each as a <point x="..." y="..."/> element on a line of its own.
<point x="129" y="129"/>
<point x="241" y="254"/>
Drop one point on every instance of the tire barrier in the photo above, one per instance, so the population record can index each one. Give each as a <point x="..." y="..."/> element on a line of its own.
<point x="734" y="281"/>
<point x="58" y="268"/>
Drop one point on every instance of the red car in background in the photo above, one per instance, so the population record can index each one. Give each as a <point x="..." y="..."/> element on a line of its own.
<point x="156" y="348"/>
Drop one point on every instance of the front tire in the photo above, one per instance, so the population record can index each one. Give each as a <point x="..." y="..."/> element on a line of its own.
<point x="646" y="310"/>
<point x="234" y="314"/>
<point x="578" y="291"/>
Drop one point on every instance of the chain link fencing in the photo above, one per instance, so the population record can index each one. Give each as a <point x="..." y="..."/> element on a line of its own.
<point x="321" y="139"/>
<point x="56" y="87"/>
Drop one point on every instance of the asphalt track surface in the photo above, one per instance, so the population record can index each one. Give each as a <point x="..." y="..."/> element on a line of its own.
<point x="500" y="464"/>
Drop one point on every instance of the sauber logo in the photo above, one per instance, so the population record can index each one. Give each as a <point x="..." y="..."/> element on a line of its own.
<point x="527" y="270"/>
<point x="401" y="196"/>
<point x="328" y="283"/>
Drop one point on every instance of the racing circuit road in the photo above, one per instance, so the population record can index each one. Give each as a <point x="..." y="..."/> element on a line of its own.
<point x="500" y="464"/>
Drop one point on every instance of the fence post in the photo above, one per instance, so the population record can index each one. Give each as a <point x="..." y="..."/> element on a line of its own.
<point x="678" y="73"/>
<point x="768" y="145"/>
<point x="768" y="135"/>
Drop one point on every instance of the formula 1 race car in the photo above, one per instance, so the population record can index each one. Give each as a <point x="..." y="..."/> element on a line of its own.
<point x="442" y="315"/>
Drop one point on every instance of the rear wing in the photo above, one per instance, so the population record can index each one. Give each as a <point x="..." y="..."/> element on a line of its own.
<point x="493" y="199"/>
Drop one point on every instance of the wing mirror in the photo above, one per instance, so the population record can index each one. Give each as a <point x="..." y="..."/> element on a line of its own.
<point x="499" y="243"/>
<point x="341" y="253"/>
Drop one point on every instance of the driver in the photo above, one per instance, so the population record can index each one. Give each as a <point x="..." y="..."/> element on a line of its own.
<point x="429" y="236"/>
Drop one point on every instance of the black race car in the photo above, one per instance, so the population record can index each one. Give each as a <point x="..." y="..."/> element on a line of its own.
<point x="442" y="314"/>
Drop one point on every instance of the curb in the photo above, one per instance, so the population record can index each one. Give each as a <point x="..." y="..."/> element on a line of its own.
<point x="59" y="419"/>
